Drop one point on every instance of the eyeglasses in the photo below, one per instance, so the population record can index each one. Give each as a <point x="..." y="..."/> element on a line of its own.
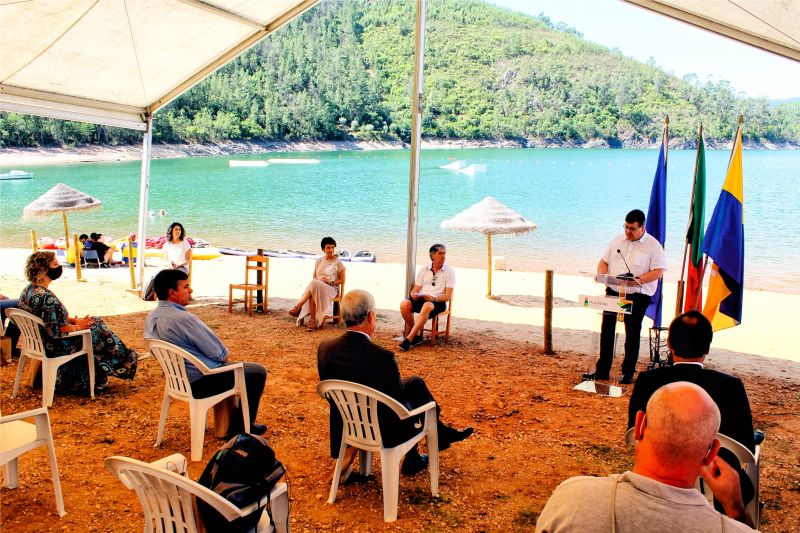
<point x="631" y="228"/>
<point x="433" y="283"/>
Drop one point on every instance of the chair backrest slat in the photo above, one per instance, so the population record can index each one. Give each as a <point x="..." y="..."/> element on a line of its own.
<point x="358" y="407"/>
<point x="31" y="328"/>
<point x="173" y="360"/>
<point x="256" y="263"/>
<point x="166" y="497"/>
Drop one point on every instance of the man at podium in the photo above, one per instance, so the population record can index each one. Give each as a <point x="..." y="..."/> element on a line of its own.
<point x="635" y="260"/>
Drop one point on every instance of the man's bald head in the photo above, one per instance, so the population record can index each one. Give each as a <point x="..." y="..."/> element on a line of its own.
<point x="682" y="422"/>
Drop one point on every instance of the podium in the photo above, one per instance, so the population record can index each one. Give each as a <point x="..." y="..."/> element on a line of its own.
<point x="615" y="304"/>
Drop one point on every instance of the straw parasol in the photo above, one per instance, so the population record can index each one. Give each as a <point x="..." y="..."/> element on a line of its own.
<point x="60" y="199"/>
<point x="490" y="217"/>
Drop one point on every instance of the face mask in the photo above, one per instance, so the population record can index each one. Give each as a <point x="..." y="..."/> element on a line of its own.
<point x="55" y="273"/>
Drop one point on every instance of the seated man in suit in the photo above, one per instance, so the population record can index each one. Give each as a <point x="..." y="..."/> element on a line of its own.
<point x="676" y="442"/>
<point x="689" y="340"/>
<point x="170" y="321"/>
<point x="354" y="357"/>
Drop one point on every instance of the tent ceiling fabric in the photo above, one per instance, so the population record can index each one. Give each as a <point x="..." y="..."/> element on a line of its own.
<point x="118" y="60"/>
<point x="772" y="25"/>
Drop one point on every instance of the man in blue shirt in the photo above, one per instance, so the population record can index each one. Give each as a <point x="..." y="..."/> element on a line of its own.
<point x="171" y="322"/>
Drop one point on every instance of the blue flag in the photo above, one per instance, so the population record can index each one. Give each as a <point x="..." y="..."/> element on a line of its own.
<point x="656" y="224"/>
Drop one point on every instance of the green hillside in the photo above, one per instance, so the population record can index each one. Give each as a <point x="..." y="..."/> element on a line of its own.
<point x="342" y="71"/>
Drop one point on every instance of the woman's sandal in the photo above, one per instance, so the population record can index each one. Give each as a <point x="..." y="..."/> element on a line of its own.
<point x="295" y="311"/>
<point x="312" y="324"/>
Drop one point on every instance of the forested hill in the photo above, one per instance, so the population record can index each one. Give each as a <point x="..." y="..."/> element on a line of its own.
<point x="343" y="70"/>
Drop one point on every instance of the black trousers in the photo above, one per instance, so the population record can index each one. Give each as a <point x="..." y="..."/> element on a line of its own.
<point x="633" y="329"/>
<point x="255" y="376"/>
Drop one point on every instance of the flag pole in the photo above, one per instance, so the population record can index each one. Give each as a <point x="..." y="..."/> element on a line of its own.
<point x="681" y="282"/>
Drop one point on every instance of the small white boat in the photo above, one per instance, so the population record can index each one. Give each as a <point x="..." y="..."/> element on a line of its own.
<point x="363" y="256"/>
<point x="343" y="255"/>
<point x="455" y="165"/>
<point x="293" y="161"/>
<point x="16" y="175"/>
<point x="245" y="163"/>
<point x="472" y="169"/>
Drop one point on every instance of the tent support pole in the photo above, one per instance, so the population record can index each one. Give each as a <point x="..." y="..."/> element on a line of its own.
<point x="416" y="128"/>
<point x="144" y="192"/>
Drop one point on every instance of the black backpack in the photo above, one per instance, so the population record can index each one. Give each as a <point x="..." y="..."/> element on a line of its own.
<point x="243" y="471"/>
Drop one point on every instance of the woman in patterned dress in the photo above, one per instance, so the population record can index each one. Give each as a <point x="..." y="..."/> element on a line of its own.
<point x="319" y="294"/>
<point x="112" y="357"/>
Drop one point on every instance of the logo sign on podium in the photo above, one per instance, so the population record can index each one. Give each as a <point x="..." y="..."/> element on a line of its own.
<point x="613" y="304"/>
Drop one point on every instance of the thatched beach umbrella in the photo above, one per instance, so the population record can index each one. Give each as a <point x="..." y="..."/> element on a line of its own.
<point x="60" y="199"/>
<point x="490" y="217"/>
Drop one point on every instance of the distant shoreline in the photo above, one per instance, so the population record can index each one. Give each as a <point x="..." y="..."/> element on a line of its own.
<point x="14" y="157"/>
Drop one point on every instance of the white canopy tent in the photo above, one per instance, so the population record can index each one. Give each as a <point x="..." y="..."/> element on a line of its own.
<point x="772" y="25"/>
<point x="116" y="62"/>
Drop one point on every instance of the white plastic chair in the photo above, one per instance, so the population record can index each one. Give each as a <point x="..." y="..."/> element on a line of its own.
<point x="358" y="406"/>
<point x="33" y="348"/>
<point x="173" y="362"/>
<point x="750" y="464"/>
<point x="18" y="437"/>
<point x="166" y="496"/>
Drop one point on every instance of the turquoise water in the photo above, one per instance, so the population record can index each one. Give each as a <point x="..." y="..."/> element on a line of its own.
<point x="577" y="197"/>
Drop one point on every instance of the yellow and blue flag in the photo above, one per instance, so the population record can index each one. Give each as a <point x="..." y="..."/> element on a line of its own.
<point x="724" y="244"/>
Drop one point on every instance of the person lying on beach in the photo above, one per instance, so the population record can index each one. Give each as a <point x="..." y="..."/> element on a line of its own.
<point x="170" y="321"/>
<point x="354" y="357"/>
<point x="112" y="357"/>
<point x="432" y="289"/>
<point x="329" y="273"/>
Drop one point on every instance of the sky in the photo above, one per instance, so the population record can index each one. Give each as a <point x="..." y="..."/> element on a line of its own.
<point x="675" y="46"/>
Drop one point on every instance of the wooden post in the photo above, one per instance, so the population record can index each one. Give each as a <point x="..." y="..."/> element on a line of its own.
<point x="34" y="242"/>
<point x="78" y="254"/>
<point x="259" y="281"/>
<point x="66" y="230"/>
<point x="130" y="262"/>
<point x="548" y="312"/>
<point x="489" y="240"/>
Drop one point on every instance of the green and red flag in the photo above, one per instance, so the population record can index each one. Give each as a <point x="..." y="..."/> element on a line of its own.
<point x="694" y="233"/>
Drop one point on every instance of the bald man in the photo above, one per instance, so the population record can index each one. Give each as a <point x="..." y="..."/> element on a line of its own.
<point x="676" y="443"/>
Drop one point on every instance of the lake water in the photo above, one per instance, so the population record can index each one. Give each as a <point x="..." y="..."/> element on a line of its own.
<point x="578" y="198"/>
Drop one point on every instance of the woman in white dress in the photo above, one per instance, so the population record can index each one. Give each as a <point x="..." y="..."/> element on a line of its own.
<point x="324" y="287"/>
<point x="177" y="251"/>
<point x="177" y="255"/>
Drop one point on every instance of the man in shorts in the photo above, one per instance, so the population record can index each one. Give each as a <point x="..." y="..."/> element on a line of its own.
<point x="433" y="288"/>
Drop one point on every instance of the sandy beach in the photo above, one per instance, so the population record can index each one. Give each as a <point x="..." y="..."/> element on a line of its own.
<point x="762" y="343"/>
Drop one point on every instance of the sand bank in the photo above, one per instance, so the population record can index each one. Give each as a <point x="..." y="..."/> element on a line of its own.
<point x="16" y="157"/>
<point x="762" y="344"/>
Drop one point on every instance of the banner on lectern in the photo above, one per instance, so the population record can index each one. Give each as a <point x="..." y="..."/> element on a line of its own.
<point x="613" y="304"/>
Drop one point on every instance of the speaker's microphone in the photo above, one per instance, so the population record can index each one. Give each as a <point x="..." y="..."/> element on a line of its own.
<point x="629" y="275"/>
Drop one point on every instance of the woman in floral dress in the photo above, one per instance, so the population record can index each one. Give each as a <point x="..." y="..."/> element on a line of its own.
<point x="319" y="294"/>
<point x="112" y="357"/>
